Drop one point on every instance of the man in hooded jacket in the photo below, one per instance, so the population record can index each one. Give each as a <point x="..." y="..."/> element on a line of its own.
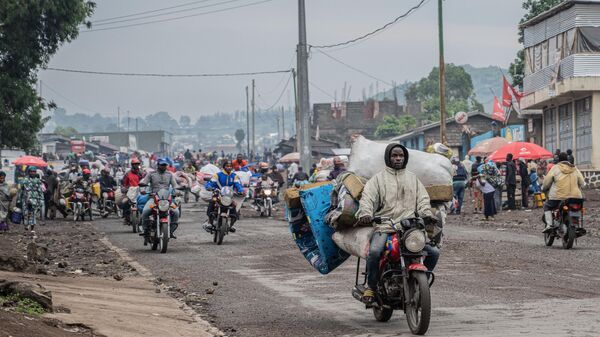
<point x="398" y="194"/>
<point x="563" y="181"/>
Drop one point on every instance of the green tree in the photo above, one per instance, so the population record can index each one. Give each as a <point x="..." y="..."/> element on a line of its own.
<point x="392" y="126"/>
<point x="240" y="135"/>
<point x="533" y="8"/>
<point x="66" y="131"/>
<point x="30" y="33"/>
<point x="460" y="94"/>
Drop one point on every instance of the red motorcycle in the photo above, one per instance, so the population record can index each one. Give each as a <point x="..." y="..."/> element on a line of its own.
<point x="404" y="280"/>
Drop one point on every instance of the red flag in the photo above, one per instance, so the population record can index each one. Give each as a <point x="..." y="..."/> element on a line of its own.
<point x="506" y="97"/>
<point x="517" y="94"/>
<point x="499" y="114"/>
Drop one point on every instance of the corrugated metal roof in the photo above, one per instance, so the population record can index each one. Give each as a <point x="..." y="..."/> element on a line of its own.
<point x="560" y="7"/>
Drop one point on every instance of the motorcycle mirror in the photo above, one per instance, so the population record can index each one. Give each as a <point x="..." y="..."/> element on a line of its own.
<point x="207" y="178"/>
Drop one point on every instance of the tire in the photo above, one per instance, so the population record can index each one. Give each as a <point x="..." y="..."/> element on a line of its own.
<point x="133" y="220"/>
<point x="549" y="239"/>
<point x="569" y="237"/>
<point x="216" y="232"/>
<point x="222" y="231"/>
<point x="89" y="214"/>
<point x="418" y="309"/>
<point x="269" y="211"/>
<point x="382" y="314"/>
<point x="75" y="213"/>
<point x="186" y="196"/>
<point x="164" y="239"/>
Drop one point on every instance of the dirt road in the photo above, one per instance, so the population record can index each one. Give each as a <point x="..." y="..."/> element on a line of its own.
<point x="492" y="280"/>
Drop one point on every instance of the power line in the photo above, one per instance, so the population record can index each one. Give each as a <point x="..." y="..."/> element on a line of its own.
<point x="67" y="99"/>
<point x="150" y="11"/>
<point x="92" y="72"/>
<point x="321" y="90"/>
<point x="380" y="29"/>
<point x="167" y="13"/>
<point x="281" y="95"/>
<point x="354" y="68"/>
<point x="176" y="18"/>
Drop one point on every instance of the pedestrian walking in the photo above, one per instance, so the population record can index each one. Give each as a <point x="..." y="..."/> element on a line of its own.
<point x="525" y="182"/>
<point x="511" y="181"/>
<point x="458" y="184"/>
<point x="476" y="193"/>
<point x="489" y="205"/>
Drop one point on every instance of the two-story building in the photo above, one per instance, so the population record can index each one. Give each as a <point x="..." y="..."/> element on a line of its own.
<point x="562" y="78"/>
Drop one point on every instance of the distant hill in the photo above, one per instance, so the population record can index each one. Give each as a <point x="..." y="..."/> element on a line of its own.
<point x="484" y="79"/>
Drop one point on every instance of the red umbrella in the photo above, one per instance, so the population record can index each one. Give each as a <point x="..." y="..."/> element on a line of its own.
<point x="30" y="161"/>
<point x="485" y="147"/>
<point x="520" y="150"/>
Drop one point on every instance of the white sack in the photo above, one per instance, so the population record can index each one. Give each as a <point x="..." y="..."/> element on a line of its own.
<point x="354" y="241"/>
<point x="210" y="169"/>
<point x="367" y="159"/>
<point x="244" y="177"/>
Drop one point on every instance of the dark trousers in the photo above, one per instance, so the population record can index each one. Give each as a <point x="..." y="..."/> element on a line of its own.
<point x="211" y="209"/>
<point x="525" y="196"/>
<point x="510" y="195"/>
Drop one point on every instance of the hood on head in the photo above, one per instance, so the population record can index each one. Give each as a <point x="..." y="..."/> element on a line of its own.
<point x="566" y="167"/>
<point x="388" y="152"/>
<point x="509" y="157"/>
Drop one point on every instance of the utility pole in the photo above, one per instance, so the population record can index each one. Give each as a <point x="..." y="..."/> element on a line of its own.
<point x="443" y="138"/>
<point x="278" y="130"/>
<point x="303" y="98"/>
<point x="283" y="122"/>
<point x="118" y="118"/>
<point x="296" y="113"/>
<point x="128" y="119"/>
<point x="247" y="122"/>
<point x="253" y="124"/>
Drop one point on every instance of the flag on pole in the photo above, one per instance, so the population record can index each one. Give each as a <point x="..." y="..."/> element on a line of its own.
<point x="498" y="112"/>
<point x="516" y="93"/>
<point x="506" y="96"/>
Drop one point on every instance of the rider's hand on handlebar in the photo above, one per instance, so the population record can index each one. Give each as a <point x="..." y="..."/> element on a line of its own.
<point x="364" y="220"/>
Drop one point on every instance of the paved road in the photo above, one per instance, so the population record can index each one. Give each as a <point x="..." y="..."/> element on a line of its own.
<point x="489" y="283"/>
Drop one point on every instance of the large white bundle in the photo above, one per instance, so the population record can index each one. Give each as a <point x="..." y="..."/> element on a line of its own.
<point x="354" y="241"/>
<point x="367" y="159"/>
<point x="210" y="169"/>
<point x="244" y="177"/>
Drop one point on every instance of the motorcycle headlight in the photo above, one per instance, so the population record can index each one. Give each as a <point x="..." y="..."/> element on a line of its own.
<point x="163" y="205"/>
<point x="414" y="241"/>
<point x="226" y="201"/>
<point x="267" y="192"/>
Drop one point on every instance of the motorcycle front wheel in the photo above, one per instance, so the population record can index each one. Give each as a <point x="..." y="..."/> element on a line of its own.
<point x="549" y="239"/>
<point x="418" y="308"/>
<point x="223" y="228"/>
<point x="164" y="237"/>
<point x="133" y="220"/>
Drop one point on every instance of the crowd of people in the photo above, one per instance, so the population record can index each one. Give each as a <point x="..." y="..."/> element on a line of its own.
<point x="487" y="182"/>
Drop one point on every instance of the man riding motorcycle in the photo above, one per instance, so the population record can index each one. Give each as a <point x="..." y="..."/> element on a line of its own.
<point x="398" y="194"/>
<point x="563" y="181"/>
<point x="158" y="180"/>
<point x="107" y="183"/>
<point x="131" y="179"/>
<point x="224" y="178"/>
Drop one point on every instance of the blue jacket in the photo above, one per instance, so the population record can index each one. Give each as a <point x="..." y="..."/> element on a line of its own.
<point x="222" y="179"/>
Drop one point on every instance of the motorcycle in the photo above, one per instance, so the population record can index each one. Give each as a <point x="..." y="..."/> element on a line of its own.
<point x="81" y="205"/>
<point x="264" y="203"/>
<point x="405" y="281"/>
<point x="108" y="204"/>
<point x="133" y="218"/>
<point x="567" y="223"/>
<point x="159" y="222"/>
<point x="225" y="203"/>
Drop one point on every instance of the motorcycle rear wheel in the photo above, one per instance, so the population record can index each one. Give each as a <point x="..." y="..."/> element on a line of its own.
<point x="418" y="308"/>
<point x="133" y="220"/>
<point x="569" y="237"/>
<point x="382" y="314"/>
<point x="549" y="239"/>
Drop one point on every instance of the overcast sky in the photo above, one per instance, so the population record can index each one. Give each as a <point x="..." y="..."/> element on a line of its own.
<point x="263" y="37"/>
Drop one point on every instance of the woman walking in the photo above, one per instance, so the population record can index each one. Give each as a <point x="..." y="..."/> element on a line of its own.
<point x="489" y="204"/>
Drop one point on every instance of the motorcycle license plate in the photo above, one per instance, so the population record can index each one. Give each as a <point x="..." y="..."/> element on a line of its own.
<point x="79" y="195"/>
<point x="575" y="214"/>
<point x="163" y="220"/>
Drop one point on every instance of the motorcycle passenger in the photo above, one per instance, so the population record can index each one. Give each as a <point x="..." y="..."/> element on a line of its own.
<point x="300" y="176"/>
<point x="158" y="180"/>
<point x="31" y="197"/>
<point x="338" y="168"/>
<point x="222" y="179"/>
<point x="132" y="179"/>
<point x="74" y="173"/>
<point x="563" y="181"/>
<point x="398" y="194"/>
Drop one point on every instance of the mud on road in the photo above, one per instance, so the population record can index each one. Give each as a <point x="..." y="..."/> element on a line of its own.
<point x="493" y="279"/>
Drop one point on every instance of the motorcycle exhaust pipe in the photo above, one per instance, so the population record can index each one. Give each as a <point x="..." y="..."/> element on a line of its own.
<point x="357" y="292"/>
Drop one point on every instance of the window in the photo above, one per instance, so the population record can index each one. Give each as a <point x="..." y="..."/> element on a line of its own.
<point x="583" y="118"/>
<point x="550" y="129"/>
<point x="565" y="123"/>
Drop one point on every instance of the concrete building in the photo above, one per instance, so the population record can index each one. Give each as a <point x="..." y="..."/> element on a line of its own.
<point x="158" y="141"/>
<point x="562" y="78"/>
<point x="339" y="121"/>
